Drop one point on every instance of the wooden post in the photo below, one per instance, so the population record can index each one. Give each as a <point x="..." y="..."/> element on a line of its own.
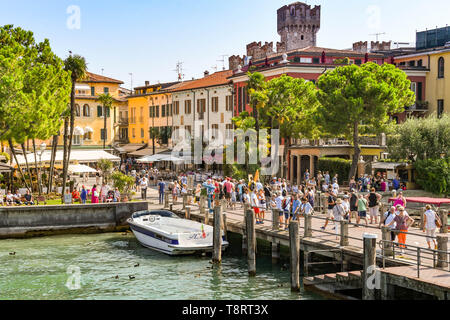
<point x="294" y="240"/>
<point x="244" y="231"/>
<point x="225" y="229"/>
<point x="382" y="211"/>
<point x="251" y="242"/>
<point x="217" y="236"/>
<point x="275" y="219"/>
<point x="275" y="251"/>
<point x="344" y="233"/>
<point x="443" y="214"/>
<point x="422" y="220"/>
<point x="171" y="207"/>
<point x="184" y="201"/>
<point x="308" y="226"/>
<point x="442" y="242"/>
<point x="369" y="267"/>
<point x="166" y="200"/>
<point x="188" y="212"/>
<point x="387" y="241"/>
<point x="324" y="204"/>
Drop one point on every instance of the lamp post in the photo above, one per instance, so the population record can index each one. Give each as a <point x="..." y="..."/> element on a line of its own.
<point x="42" y="148"/>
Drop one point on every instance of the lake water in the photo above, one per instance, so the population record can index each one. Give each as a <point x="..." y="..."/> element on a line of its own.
<point x="45" y="268"/>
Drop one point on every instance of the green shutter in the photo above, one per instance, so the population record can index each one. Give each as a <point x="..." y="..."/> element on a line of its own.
<point x="99" y="111"/>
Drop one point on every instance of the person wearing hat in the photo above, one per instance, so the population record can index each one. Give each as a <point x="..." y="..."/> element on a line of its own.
<point x="339" y="213"/>
<point x="403" y="222"/>
<point x="346" y="204"/>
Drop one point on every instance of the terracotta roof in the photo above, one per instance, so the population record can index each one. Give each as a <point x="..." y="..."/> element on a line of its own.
<point x="319" y="50"/>
<point x="215" y="79"/>
<point x="162" y="85"/>
<point x="92" y="77"/>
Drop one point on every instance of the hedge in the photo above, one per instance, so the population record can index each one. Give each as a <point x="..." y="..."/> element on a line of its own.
<point x="335" y="165"/>
<point x="434" y="175"/>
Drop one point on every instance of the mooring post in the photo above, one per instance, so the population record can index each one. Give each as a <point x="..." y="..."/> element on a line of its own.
<point x="188" y="212"/>
<point x="184" y="201"/>
<point x="308" y="226"/>
<point x="275" y="219"/>
<point x="369" y="265"/>
<point x="166" y="200"/>
<point x="244" y="230"/>
<point x="294" y="241"/>
<point x="217" y="236"/>
<point x="324" y="204"/>
<point x="443" y="214"/>
<point x="387" y="241"/>
<point x="171" y="207"/>
<point x="275" y="251"/>
<point x="442" y="242"/>
<point x="251" y="242"/>
<point x="223" y="203"/>
<point x="344" y="233"/>
<point x="382" y="211"/>
<point x="422" y="219"/>
<point x="224" y="225"/>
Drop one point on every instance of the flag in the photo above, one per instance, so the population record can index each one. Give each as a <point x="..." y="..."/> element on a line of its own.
<point x="256" y="176"/>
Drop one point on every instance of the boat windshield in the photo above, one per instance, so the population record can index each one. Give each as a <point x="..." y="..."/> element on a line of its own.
<point x="161" y="213"/>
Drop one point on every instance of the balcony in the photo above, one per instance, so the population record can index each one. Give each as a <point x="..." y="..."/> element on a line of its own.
<point x="420" y="106"/>
<point x="132" y="120"/>
<point x="123" y="121"/>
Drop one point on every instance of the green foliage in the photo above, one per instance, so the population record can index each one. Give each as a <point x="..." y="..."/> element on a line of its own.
<point x="434" y="175"/>
<point x="427" y="138"/>
<point x="335" y="165"/>
<point x="105" y="166"/>
<point x="342" y="61"/>
<point x="122" y="182"/>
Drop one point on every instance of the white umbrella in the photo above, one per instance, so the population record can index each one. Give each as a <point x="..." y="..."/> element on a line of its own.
<point x="78" y="168"/>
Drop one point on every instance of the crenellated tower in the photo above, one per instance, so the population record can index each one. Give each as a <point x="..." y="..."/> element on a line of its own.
<point x="298" y="25"/>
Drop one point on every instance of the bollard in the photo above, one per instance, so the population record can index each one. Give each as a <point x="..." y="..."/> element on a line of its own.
<point x="308" y="226"/>
<point x="382" y="211"/>
<point x="166" y="200"/>
<point x="224" y="225"/>
<point x="369" y="266"/>
<point x="184" y="201"/>
<point x="171" y="207"/>
<point x="188" y="213"/>
<point x="443" y="214"/>
<point x="275" y="219"/>
<point x="275" y="251"/>
<point x="251" y="242"/>
<point x="217" y="235"/>
<point x="244" y="231"/>
<point x="442" y="242"/>
<point x="294" y="241"/>
<point x="344" y="233"/>
<point x="223" y="203"/>
<point x="324" y="205"/>
<point x="387" y="241"/>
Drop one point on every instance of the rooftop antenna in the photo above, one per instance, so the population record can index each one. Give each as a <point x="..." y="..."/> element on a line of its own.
<point x="223" y="61"/>
<point x="377" y="34"/>
<point x="102" y="71"/>
<point x="214" y="67"/>
<point x="179" y="71"/>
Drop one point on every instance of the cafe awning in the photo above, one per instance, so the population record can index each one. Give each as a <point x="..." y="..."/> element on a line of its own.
<point x="79" y="168"/>
<point x="147" y="152"/>
<point x="387" y="165"/>
<point x="5" y="168"/>
<point x="78" y="156"/>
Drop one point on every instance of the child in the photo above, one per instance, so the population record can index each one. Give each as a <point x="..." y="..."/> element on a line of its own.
<point x="233" y="198"/>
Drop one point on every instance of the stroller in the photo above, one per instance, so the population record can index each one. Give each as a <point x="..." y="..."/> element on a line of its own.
<point x="110" y="196"/>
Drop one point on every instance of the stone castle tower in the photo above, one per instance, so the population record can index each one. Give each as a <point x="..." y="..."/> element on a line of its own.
<point x="298" y="25"/>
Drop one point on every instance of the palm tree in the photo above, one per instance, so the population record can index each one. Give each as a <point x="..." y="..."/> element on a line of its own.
<point x="77" y="66"/>
<point x="106" y="100"/>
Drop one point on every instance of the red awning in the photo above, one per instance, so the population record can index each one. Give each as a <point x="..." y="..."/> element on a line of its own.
<point x="434" y="201"/>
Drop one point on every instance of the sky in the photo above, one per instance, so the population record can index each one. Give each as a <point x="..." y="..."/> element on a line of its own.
<point x="148" y="37"/>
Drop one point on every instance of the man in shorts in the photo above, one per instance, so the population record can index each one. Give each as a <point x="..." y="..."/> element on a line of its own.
<point x="331" y="200"/>
<point x="373" y="199"/>
<point x="362" y="210"/>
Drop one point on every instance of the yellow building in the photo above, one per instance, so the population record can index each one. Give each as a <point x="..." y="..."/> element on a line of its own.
<point x="437" y="90"/>
<point x="89" y="121"/>
<point x="151" y="107"/>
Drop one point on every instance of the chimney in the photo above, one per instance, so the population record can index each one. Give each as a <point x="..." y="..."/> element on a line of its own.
<point x="147" y="83"/>
<point x="206" y="73"/>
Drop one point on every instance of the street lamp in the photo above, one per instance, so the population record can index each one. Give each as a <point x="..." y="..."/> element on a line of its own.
<point x="42" y="148"/>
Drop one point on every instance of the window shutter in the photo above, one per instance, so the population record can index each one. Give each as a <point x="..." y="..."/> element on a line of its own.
<point x="99" y="111"/>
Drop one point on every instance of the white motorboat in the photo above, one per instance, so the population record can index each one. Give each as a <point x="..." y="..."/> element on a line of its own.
<point x="165" y="232"/>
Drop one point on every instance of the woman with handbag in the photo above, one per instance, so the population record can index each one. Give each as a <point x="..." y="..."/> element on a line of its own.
<point x="430" y="223"/>
<point x="403" y="222"/>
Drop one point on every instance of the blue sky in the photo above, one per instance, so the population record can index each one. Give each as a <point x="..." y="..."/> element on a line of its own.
<point x="148" y="37"/>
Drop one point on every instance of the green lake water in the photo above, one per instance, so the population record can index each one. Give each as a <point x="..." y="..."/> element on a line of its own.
<point x="43" y="267"/>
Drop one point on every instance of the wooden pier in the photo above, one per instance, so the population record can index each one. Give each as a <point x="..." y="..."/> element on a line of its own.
<point x="430" y="277"/>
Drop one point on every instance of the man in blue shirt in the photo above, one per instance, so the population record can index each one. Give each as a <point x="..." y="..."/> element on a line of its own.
<point x="161" y="189"/>
<point x="83" y="195"/>
<point x="210" y="188"/>
<point x="295" y="207"/>
<point x="396" y="183"/>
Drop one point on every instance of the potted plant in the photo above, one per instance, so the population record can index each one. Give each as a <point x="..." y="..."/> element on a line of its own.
<point x="124" y="183"/>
